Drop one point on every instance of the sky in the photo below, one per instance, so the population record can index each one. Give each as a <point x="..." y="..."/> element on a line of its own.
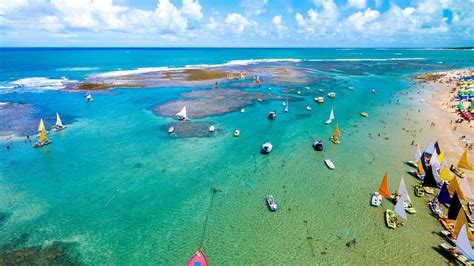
<point x="237" y="23"/>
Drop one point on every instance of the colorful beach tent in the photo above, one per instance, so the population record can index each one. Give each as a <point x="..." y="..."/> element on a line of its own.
<point x="464" y="162"/>
<point x="384" y="187"/>
<point x="454" y="207"/>
<point x="443" y="196"/>
<point x="460" y="221"/>
<point x="454" y="187"/>
<point x="429" y="180"/>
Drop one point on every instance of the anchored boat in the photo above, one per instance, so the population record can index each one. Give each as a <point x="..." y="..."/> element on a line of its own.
<point x="198" y="259"/>
<point x="335" y="137"/>
<point x="266" y="148"/>
<point x="42" y="140"/>
<point x="329" y="164"/>
<point x="182" y="115"/>
<point x="271" y="203"/>
<point x="331" y="117"/>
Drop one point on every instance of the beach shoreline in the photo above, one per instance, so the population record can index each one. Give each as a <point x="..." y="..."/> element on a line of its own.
<point x="440" y="110"/>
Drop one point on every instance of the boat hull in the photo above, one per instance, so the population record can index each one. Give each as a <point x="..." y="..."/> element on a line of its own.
<point x="329" y="164"/>
<point x="390" y="219"/>
<point x="198" y="259"/>
<point x="41" y="144"/>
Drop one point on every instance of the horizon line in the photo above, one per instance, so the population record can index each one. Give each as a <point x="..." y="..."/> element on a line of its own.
<point x="246" y="47"/>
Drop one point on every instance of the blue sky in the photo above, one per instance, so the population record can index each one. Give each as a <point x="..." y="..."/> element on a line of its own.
<point x="236" y="23"/>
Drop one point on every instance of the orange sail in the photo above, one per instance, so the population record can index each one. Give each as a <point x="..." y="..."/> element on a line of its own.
<point x="464" y="163"/>
<point x="384" y="188"/>
<point x="460" y="221"/>
<point x="454" y="187"/>
<point x="337" y="133"/>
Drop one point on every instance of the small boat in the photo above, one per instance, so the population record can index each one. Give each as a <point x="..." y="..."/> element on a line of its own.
<point x="298" y="92"/>
<point x="351" y="88"/>
<point x="182" y="115"/>
<point x="271" y="203"/>
<point x="335" y="137"/>
<point x="320" y="90"/>
<point x="428" y="190"/>
<point x="272" y="115"/>
<point x="42" y="140"/>
<point x="329" y="164"/>
<point x="283" y="103"/>
<point x="376" y="199"/>
<point x="286" y="106"/>
<point x="419" y="192"/>
<point x="455" y="253"/>
<point x="41" y="127"/>
<point x="198" y="259"/>
<point x="260" y="100"/>
<point x="331" y="117"/>
<point x="457" y="171"/>
<point x="364" y="114"/>
<point x="212" y="128"/>
<point x="409" y="207"/>
<point x="236" y="133"/>
<point x="373" y="90"/>
<point x="89" y="97"/>
<point x="242" y="110"/>
<point x="435" y="207"/>
<point x="332" y="95"/>
<point x="308" y="108"/>
<point x="390" y="219"/>
<point x="59" y="124"/>
<point x="319" y="99"/>
<point x="318" y="145"/>
<point x="463" y="251"/>
<point x="170" y="130"/>
<point x="266" y="148"/>
<point x="470" y="207"/>
<point x="269" y="88"/>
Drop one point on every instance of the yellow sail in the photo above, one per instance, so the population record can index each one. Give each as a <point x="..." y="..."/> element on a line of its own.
<point x="445" y="175"/>
<point x="460" y="221"/>
<point x="464" y="163"/>
<point x="337" y="133"/>
<point x="421" y="171"/>
<point x="441" y="156"/>
<point x="454" y="187"/>
<point x="41" y="126"/>
<point x="42" y="136"/>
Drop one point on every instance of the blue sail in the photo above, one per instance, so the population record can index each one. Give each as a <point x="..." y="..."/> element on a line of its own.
<point x="443" y="196"/>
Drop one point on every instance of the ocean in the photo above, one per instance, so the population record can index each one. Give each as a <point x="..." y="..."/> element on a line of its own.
<point x="116" y="188"/>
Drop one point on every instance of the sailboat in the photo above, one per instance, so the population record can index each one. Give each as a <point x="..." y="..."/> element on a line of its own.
<point x="41" y="127"/>
<point x="198" y="259"/>
<point x="408" y="205"/>
<point x="286" y="107"/>
<point x="59" y="124"/>
<point x="335" y="137"/>
<point x="391" y="216"/>
<point x="331" y="117"/>
<point x="42" y="140"/>
<point x="461" y="220"/>
<point x="463" y="251"/>
<point x="89" y="97"/>
<point x="182" y="115"/>
<point x="414" y="163"/>
<point x="464" y="162"/>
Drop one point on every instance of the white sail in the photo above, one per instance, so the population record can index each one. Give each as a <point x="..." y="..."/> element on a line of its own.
<point x="89" y="96"/>
<point x="463" y="244"/>
<point x="400" y="206"/>
<point x="286" y="107"/>
<point x="417" y="153"/>
<point x="331" y="115"/>
<point x="435" y="169"/>
<point x="402" y="189"/>
<point x="430" y="147"/>
<point x="59" y="123"/>
<point x="434" y="159"/>
<point x="182" y="114"/>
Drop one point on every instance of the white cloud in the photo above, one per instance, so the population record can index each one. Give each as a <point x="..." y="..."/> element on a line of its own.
<point x="319" y="21"/>
<point x="278" y="26"/>
<point x="63" y="35"/>
<point x="359" y="4"/>
<point x="10" y="5"/>
<point x="254" y="7"/>
<point x="192" y="10"/>
<point x="359" y="20"/>
<point x="51" y="23"/>
<point x="237" y="23"/>
<point x="169" y="18"/>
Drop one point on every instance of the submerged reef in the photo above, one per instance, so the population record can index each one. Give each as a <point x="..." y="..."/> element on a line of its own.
<point x="58" y="253"/>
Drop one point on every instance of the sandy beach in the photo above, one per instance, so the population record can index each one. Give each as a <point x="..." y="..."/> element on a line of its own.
<point x="441" y="112"/>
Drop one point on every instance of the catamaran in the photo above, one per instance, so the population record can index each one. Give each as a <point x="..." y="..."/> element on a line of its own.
<point x="182" y="115"/>
<point x="331" y="117"/>
<point x="198" y="259"/>
<point x="42" y="140"/>
<point x="59" y="124"/>
<point x="337" y="134"/>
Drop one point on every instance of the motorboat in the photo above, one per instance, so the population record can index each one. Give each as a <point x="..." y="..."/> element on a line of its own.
<point x="212" y="128"/>
<point x="308" y="108"/>
<point x="329" y="164"/>
<point x="272" y="115"/>
<point x="271" y="203"/>
<point x="332" y="95"/>
<point x="266" y="148"/>
<point x="170" y="130"/>
<point x="376" y="199"/>
<point x="319" y="99"/>
<point x="364" y="114"/>
<point x="318" y="145"/>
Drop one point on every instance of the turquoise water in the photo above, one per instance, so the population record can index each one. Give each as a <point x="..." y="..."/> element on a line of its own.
<point x="118" y="189"/>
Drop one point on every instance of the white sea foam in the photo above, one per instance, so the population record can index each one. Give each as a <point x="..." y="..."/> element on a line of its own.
<point x="78" y="68"/>
<point x="367" y="59"/>
<point x="41" y="83"/>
